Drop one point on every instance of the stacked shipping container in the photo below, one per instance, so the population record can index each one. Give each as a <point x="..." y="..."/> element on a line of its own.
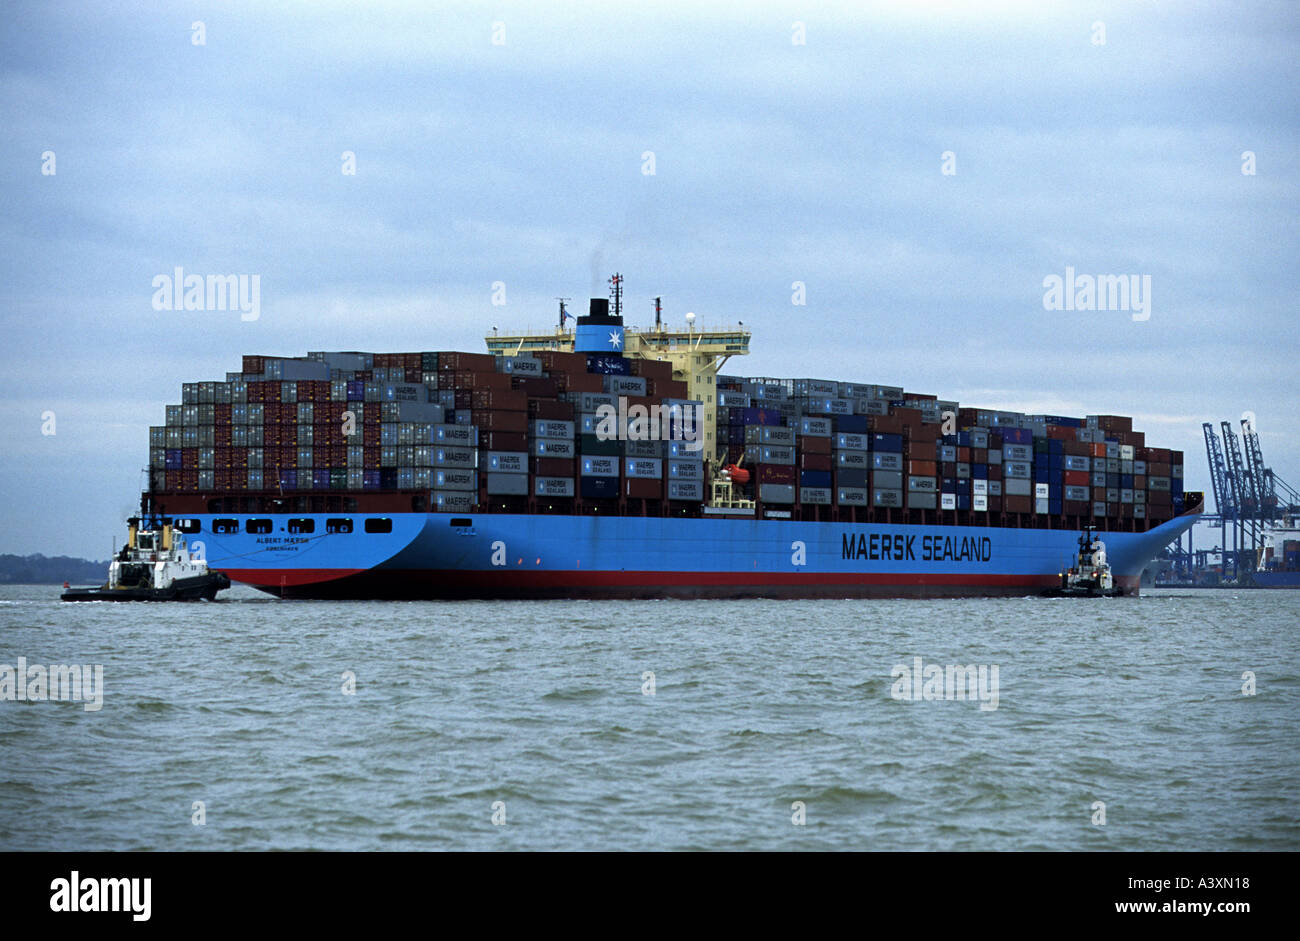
<point x="462" y="432"/>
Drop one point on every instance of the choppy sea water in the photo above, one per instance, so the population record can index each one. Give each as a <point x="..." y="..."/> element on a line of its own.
<point x="543" y="706"/>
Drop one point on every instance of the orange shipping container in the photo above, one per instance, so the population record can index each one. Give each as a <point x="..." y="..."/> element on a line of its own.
<point x="922" y="469"/>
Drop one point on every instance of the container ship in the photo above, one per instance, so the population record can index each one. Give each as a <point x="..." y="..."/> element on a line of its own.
<point x="1280" y="557"/>
<point x="598" y="461"/>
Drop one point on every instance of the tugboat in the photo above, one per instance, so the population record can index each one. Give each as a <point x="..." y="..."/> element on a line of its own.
<point x="1090" y="577"/>
<point x="155" y="565"/>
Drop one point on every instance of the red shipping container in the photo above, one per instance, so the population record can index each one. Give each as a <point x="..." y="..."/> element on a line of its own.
<point x="550" y="409"/>
<point x="924" y="434"/>
<point x="507" y="400"/>
<point x="489" y="440"/>
<point x="809" y="444"/>
<point x="500" y="421"/>
<point x="542" y="387"/>
<point x="453" y="361"/>
<point x="922" y="451"/>
<point x="643" y="489"/>
<point x="476" y="381"/>
<point x="551" y="466"/>
<point x="821" y="462"/>
<point x="555" y="361"/>
<point x="777" y="474"/>
<point x="580" y="382"/>
<point x="1018" y="504"/>
<point x="658" y="370"/>
<point x="221" y="435"/>
<point x="370" y="457"/>
<point x="923" y="468"/>
<point x="669" y="388"/>
<point x="1076" y="478"/>
<point x="1077" y="507"/>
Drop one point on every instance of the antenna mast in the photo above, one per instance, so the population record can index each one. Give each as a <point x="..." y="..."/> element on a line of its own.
<point x="616" y="293"/>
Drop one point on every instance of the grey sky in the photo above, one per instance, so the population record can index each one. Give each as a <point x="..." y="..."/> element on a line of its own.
<point x="522" y="163"/>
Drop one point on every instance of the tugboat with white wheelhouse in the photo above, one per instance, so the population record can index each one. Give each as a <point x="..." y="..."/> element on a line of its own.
<point x="1090" y="576"/>
<point x="156" y="564"/>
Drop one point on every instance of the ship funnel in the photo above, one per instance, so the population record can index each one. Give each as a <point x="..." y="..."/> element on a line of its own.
<point x="600" y="331"/>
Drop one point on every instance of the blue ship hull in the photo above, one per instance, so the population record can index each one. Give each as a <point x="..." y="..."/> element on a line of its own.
<point x="1277" y="579"/>
<point x="440" y="555"/>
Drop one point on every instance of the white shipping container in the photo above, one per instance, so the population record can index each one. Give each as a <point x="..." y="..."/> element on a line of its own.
<point x="685" y="470"/>
<point x="554" y="447"/>
<point x="455" y="479"/>
<point x="451" y="501"/>
<point x="886" y="497"/>
<point x="553" y="486"/>
<point x="685" y="490"/>
<point x="507" y="484"/>
<point x="507" y="462"/>
<point x="776" y="493"/>
<point x="600" y="466"/>
<point x="644" y="468"/>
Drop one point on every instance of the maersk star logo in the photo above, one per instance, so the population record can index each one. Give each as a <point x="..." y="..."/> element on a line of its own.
<point x="615" y="339"/>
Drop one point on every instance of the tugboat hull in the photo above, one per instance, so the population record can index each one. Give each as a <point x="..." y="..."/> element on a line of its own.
<point x="198" y="588"/>
<point x="1083" y="593"/>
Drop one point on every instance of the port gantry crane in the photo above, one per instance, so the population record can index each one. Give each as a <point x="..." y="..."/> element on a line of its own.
<point x="1248" y="497"/>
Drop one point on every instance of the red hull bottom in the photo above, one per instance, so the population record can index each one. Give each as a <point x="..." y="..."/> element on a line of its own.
<point x="436" y="585"/>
